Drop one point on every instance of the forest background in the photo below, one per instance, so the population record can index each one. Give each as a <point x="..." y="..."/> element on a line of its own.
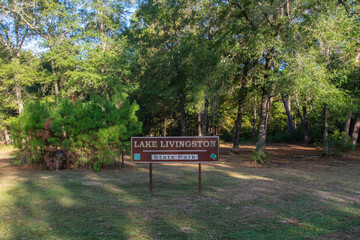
<point x="79" y="78"/>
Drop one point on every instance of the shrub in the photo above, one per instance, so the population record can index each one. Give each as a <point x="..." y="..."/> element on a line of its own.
<point x="337" y="143"/>
<point x="226" y="136"/>
<point x="259" y="157"/>
<point x="87" y="133"/>
<point x="281" y="137"/>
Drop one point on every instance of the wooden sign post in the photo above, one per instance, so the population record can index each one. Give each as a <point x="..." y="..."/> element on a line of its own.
<point x="175" y="150"/>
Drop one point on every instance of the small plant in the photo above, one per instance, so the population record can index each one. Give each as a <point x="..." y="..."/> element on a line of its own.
<point x="258" y="157"/>
<point x="97" y="166"/>
<point x="17" y="162"/>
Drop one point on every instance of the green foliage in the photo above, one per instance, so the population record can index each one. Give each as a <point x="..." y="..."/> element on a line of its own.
<point x="337" y="143"/>
<point x="282" y="136"/>
<point x="172" y="58"/>
<point x="96" y="166"/>
<point x="226" y="135"/>
<point x="259" y="157"/>
<point x="92" y="131"/>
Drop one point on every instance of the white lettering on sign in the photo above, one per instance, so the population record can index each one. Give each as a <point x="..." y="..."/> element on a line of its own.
<point x="174" y="157"/>
<point x="174" y="144"/>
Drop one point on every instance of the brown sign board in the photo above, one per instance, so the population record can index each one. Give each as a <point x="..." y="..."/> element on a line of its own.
<point x="175" y="149"/>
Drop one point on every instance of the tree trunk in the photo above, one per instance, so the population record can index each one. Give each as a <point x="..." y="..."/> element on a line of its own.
<point x="205" y="117"/>
<point x="347" y="129"/>
<point x="199" y="123"/>
<point x="260" y="145"/>
<point x="122" y="158"/>
<point x="270" y="103"/>
<point x="233" y="129"/>
<point x="308" y="121"/>
<point x="19" y="100"/>
<point x="266" y="103"/>
<point x="255" y="116"/>
<point x="357" y="58"/>
<point x="164" y="127"/>
<point x="67" y="154"/>
<point x="7" y="137"/>
<point x="305" y="126"/>
<point x="355" y="134"/>
<point x="238" y="123"/>
<point x="182" y="112"/>
<point x="56" y="86"/>
<point x="243" y="93"/>
<point x="289" y="118"/>
<point x="304" y="122"/>
<point x="326" y="132"/>
<point x="300" y="114"/>
<point x="301" y="117"/>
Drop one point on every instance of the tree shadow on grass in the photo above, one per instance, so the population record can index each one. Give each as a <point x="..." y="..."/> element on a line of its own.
<point x="236" y="204"/>
<point x="285" y="206"/>
<point x="80" y="208"/>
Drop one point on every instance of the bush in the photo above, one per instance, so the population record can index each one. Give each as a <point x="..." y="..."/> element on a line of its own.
<point x="281" y="137"/>
<point x="226" y="136"/>
<point x="259" y="157"/>
<point x="83" y="133"/>
<point x="337" y="143"/>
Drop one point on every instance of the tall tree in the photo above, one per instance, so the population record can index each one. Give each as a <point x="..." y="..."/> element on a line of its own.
<point x="13" y="34"/>
<point x="267" y="25"/>
<point x="163" y="32"/>
<point x="55" y="22"/>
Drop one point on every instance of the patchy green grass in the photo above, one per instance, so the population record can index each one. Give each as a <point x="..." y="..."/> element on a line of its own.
<point x="296" y="198"/>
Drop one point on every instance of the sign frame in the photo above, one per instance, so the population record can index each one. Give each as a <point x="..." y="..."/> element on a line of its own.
<point x="172" y="151"/>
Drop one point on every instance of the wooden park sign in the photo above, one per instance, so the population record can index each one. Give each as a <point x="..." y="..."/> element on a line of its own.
<point x="175" y="150"/>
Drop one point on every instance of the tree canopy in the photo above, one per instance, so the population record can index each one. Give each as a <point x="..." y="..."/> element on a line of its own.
<point x="82" y="77"/>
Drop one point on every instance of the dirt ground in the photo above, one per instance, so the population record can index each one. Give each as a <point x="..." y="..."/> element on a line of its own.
<point x="289" y="155"/>
<point x="6" y="159"/>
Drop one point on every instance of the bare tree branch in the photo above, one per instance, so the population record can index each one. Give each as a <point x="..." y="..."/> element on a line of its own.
<point x="7" y="42"/>
<point x="240" y="6"/>
<point x="23" y="38"/>
<point x="344" y="5"/>
<point x="6" y="32"/>
<point x="30" y="25"/>
<point x="268" y="20"/>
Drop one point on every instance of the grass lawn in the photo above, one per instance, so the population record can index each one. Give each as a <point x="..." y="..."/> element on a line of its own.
<point x="295" y="195"/>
